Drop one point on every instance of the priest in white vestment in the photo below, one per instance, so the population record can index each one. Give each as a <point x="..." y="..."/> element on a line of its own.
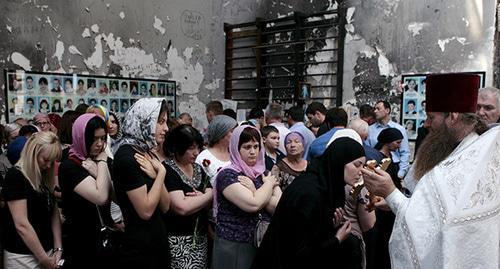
<point x="452" y="219"/>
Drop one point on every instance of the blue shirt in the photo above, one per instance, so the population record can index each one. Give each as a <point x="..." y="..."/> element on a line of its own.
<point x="308" y="135"/>
<point x="402" y="155"/>
<point x="372" y="154"/>
<point x="318" y="146"/>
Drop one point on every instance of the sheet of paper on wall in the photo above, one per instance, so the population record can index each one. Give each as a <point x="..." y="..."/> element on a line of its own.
<point x="241" y="115"/>
<point x="226" y="103"/>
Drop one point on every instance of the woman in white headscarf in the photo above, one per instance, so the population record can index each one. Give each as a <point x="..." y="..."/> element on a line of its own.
<point x="139" y="184"/>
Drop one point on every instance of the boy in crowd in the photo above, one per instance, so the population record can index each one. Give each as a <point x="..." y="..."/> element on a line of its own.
<point x="271" y="140"/>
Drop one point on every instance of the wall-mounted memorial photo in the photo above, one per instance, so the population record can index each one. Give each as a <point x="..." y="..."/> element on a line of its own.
<point x="28" y="93"/>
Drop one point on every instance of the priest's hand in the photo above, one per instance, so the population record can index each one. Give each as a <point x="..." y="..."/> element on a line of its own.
<point x="377" y="202"/>
<point x="378" y="182"/>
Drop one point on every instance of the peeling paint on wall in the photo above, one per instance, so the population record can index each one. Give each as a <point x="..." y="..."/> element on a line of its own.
<point x="158" y="25"/>
<point x="21" y="60"/>
<point x="213" y="86"/>
<point x="385" y="68"/>
<point x="196" y="109"/>
<point x="125" y="40"/>
<point x="320" y="57"/>
<point x="466" y="22"/>
<point x="58" y="54"/>
<point x="349" y="26"/>
<point x="416" y="27"/>
<point x="442" y="42"/>
<point x="95" y="28"/>
<point x="73" y="50"/>
<point x="188" y="76"/>
<point x="86" y="33"/>
<point x="134" y="62"/>
<point x="95" y="60"/>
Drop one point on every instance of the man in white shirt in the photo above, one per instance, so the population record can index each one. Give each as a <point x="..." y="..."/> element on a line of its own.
<point x="452" y="219"/>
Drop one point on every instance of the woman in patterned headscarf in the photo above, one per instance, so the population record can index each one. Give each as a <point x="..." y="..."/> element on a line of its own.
<point x="139" y="185"/>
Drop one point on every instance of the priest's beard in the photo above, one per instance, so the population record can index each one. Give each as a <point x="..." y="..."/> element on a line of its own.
<point x="436" y="147"/>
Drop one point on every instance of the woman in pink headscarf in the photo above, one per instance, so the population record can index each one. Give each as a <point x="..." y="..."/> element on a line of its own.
<point x="85" y="182"/>
<point x="240" y="205"/>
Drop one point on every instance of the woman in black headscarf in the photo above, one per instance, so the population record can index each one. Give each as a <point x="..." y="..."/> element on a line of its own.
<point x="306" y="230"/>
<point x="389" y="140"/>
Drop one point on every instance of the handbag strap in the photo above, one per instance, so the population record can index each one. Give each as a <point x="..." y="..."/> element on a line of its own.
<point x="99" y="214"/>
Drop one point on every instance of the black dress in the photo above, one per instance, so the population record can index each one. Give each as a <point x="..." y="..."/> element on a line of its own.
<point x="301" y="233"/>
<point x="378" y="247"/>
<point x="81" y="226"/>
<point x="145" y="244"/>
<point x="176" y="181"/>
<point x="186" y="248"/>
<point x="39" y="205"/>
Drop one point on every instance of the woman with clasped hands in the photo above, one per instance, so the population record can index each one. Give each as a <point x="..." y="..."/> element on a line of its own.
<point x="307" y="229"/>
<point x="141" y="191"/>
<point x="32" y="231"/>
<point x="242" y="193"/>
<point x="85" y="182"/>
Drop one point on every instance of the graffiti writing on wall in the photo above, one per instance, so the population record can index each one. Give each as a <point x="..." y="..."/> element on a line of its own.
<point x="192" y="24"/>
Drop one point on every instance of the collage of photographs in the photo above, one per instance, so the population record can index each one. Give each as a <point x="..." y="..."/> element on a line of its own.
<point x="30" y="93"/>
<point x="413" y="103"/>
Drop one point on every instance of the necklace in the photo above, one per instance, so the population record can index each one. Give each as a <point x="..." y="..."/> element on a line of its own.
<point x="193" y="182"/>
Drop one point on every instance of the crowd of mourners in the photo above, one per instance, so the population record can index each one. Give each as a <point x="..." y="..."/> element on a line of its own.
<point x="262" y="193"/>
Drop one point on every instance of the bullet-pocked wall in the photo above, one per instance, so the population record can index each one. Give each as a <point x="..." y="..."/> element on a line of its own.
<point x="184" y="40"/>
<point x="388" y="38"/>
<point x="177" y="40"/>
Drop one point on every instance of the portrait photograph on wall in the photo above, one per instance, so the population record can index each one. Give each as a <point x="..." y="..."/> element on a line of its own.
<point x="28" y="93"/>
<point x="413" y="102"/>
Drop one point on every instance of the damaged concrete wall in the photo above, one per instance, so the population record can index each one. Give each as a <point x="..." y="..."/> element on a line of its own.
<point x="178" y="40"/>
<point x="392" y="37"/>
<point x="184" y="40"/>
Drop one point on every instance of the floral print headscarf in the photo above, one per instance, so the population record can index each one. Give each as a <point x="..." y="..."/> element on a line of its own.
<point x="139" y="124"/>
